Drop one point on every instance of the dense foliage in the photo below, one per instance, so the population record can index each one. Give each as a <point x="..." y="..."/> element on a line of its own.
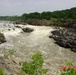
<point x="35" y="66"/>
<point x="69" y="13"/>
<point x="66" y="14"/>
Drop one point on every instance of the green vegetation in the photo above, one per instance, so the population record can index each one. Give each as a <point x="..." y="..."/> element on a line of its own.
<point x="70" y="69"/>
<point x="10" y="18"/>
<point x="63" y="14"/>
<point x="65" y="18"/>
<point x="1" y="72"/>
<point x="57" y="18"/>
<point x="35" y="66"/>
<point x="22" y="72"/>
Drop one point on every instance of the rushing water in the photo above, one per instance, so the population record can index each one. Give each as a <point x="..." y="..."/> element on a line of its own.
<point x="26" y="44"/>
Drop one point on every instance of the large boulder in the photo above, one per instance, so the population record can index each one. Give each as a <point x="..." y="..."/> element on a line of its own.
<point x="2" y="38"/>
<point x="27" y="29"/>
<point x="65" y="39"/>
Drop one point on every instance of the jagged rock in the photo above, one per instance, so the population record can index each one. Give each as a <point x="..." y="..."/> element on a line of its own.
<point x="27" y="29"/>
<point x="18" y="26"/>
<point x="65" y="39"/>
<point x="9" y="29"/>
<point x="2" y="38"/>
<point x="13" y="28"/>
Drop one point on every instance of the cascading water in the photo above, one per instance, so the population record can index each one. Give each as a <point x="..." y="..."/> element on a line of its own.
<point x="26" y="44"/>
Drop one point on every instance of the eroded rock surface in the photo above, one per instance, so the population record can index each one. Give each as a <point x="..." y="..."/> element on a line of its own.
<point x="65" y="38"/>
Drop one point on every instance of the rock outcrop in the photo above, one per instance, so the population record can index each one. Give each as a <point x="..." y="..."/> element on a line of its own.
<point x="27" y="29"/>
<point x="18" y="26"/>
<point x="2" y="38"/>
<point x="65" y="38"/>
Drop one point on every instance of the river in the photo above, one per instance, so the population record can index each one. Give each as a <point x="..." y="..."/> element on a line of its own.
<point x="26" y="44"/>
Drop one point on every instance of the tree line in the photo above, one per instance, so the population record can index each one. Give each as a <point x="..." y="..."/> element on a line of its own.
<point x="63" y="14"/>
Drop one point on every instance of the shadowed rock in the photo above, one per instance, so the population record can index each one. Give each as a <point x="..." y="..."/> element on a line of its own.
<point x="65" y="39"/>
<point x="18" y="26"/>
<point x="28" y="29"/>
<point x="2" y="38"/>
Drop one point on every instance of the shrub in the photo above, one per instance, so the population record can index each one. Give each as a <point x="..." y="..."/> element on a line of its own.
<point x="1" y="72"/>
<point x="35" y="66"/>
<point x="70" y="69"/>
<point x="39" y="22"/>
<point x="22" y="72"/>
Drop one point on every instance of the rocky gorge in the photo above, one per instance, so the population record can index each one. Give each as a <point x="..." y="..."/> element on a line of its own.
<point x="26" y="44"/>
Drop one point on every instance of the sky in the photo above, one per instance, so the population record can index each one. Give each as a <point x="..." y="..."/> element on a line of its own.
<point x="18" y="7"/>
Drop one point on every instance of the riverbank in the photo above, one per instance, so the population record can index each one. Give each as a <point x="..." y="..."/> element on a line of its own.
<point x="65" y="38"/>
